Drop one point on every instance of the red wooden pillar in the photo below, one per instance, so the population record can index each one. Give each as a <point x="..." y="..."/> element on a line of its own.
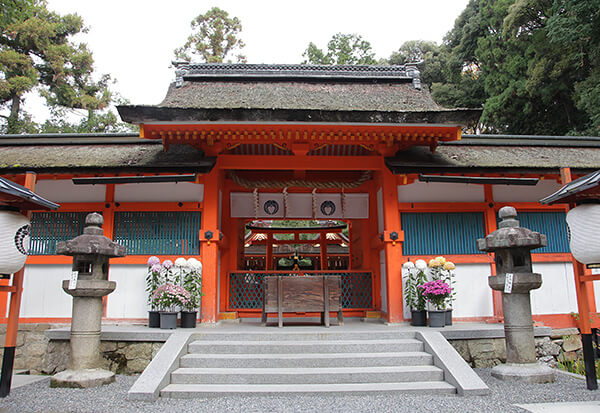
<point x="16" y="291"/>
<point x="269" y="252"/>
<point x="210" y="238"/>
<point x="586" y="304"/>
<point x="392" y="247"/>
<point x="324" y="256"/>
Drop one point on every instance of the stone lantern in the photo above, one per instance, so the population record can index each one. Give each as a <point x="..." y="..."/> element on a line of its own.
<point x="512" y="245"/>
<point x="89" y="283"/>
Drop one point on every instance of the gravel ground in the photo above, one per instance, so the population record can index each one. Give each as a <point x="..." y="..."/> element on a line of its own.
<point x="39" y="397"/>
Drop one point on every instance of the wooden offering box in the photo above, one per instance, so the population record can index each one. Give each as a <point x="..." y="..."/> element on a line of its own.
<point x="302" y="294"/>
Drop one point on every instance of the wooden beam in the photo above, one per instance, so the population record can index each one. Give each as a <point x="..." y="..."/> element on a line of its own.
<point x="300" y="162"/>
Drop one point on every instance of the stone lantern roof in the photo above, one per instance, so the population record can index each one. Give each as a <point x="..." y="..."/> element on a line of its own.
<point x="92" y="241"/>
<point x="510" y="235"/>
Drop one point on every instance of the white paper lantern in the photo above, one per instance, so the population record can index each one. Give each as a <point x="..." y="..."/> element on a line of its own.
<point x="584" y="229"/>
<point x="14" y="241"/>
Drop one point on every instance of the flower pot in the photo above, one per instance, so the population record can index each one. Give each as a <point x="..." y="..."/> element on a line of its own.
<point x="188" y="319"/>
<point x="153" y="319"/>
<point x="449" y="317"/>
<point x="418" y="318"/>
<point x="437" y="318"/>
<point x="168" y="319"/>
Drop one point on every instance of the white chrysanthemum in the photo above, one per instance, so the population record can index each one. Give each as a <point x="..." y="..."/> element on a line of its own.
<point x="408" y="265"/>
<point x="421" y="265"/>
<point x="181" y="262"/>
<point x="194" y="264"/>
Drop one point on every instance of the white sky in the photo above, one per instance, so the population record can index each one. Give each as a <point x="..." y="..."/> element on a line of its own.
<point x="133" y="40"/>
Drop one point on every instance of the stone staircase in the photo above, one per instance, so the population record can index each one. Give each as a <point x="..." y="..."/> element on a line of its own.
<point x="291" y="361"/>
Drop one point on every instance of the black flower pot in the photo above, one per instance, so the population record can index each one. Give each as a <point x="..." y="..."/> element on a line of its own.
<point x="153" y="319"/>
<point x="168" y="320"/>
<point x="418" y="318"/>
<point x="188" y="319"/>
<point x="449" y="317"/>
<point x="437" y="318"/>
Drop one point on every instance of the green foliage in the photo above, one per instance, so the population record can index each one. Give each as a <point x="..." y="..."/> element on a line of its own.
<point x="425" y="52"/>
<point x="214" y="36"/>
<point x="37" y="53"/>
<point x="192" y="282"/>
<point x="533" y="64"/>
<point x="95" y="122"/>
<point x="414" y="299"/>
<point x="14" y="10"/>
<point x="342" y="49"/>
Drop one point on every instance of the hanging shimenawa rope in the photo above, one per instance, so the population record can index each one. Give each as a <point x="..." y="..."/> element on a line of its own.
<point x="266" y="183"/>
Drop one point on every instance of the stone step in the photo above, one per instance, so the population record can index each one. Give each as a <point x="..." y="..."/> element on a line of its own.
<point x="309" y="346"/>
<point x="408" y="358"/>
<point x="294" y="375"/>
<point x="295" y="335"/>
<point x="189" y="391"/>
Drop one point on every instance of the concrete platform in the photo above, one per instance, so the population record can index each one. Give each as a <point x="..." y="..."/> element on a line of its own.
<point x="20" y="380"/>
<point x="136" y="332"/>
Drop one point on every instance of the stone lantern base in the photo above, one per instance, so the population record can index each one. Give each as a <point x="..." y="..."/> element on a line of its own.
<point x="529" y="373"/>
<point x="82" y="378"/>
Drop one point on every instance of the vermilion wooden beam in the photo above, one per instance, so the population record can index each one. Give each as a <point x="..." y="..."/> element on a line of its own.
<point x="13" y="314"/>
<point x="584" y="289"/>
<point x="209" y="251"/>
<point x="393" y="250"/>
<point x="300" y="162"/>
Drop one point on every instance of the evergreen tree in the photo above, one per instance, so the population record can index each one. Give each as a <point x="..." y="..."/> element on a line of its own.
<point x="342" y="49"/>
<point x="37" y="53"/>
<point x="214" y="36"/>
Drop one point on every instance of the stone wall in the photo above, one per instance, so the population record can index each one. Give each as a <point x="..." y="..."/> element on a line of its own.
<point x="34" y="352"/>
<point x="562" y="345"/>
<point x="481" y="352"/>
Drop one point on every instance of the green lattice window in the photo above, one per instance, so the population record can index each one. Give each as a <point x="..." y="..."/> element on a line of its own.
<point x="48" y="228"/>
<point x="158" y="233"/>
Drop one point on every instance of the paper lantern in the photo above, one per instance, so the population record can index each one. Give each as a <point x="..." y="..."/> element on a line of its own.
<point x="14" y="241"/>
<point x="584" y="233"/>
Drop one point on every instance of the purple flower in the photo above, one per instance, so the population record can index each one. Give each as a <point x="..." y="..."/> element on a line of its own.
<point x="153" y="260"/>
<point x="156" y="268"/>
<point x="168" y="264"/>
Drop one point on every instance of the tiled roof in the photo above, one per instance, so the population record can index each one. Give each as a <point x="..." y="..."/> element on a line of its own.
<point x="400" y="73"/>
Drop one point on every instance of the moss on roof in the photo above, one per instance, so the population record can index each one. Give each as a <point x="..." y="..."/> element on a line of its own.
<point x="90" y="158"/>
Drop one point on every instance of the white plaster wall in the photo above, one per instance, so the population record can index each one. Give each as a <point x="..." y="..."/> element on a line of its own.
<point x="129" y="298"/>
<point x="63" y="190"/>
<point x="440" y="192"/>
<point x="160" y="192"/>
<point x="473" y="295"/>
<point x="557" y="293"/>
<point x="43" y="295"/>
<point x="516" y="193"/>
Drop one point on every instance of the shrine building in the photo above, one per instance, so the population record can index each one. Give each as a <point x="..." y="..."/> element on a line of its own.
<point x="264" y="169"/>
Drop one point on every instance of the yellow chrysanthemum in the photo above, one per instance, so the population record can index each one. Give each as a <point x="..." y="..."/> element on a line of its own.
<point x="441" y="260"/>
<point x="434" y="263"/>
<point x="449" y="265"/>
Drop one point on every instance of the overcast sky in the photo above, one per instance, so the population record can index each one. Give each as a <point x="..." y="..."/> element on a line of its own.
<point x="133" y="40"/>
